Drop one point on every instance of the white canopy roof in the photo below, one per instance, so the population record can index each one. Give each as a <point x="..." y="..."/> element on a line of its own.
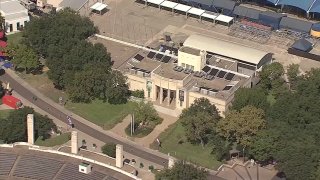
<point x="157" y="2"/>
<point x="196" y="11"/>
<point x="224" y="18"/>
<point x="169" y="4"/>
<point x="98" y="6"/>
<point x="182" y="7"/>
<point x="208" y="15"/>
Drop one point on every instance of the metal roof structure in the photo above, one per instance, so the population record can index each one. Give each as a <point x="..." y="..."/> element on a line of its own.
<point x="296" y="24"/>
<point x="307" y="5"/>
<point x="11" y="7"/>
<point x="226" y="48"/>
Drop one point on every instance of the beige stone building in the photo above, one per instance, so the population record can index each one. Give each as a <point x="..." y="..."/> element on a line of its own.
<point x="202" y="67"/>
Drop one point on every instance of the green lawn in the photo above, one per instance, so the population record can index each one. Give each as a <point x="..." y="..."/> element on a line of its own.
<point x="271" y="99"/>
<point x="98" y="112"/>
<point x="5" y="113"/>
<point x="14" y="38"/>
<point x="193" y="153"/>
<point x="57" y="140"/>
<point x="101" y="113"/>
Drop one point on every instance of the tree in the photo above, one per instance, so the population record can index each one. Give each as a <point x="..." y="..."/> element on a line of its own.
<point x="183" y="171"/>
<point x="89" y="83"/>
<point x="293" y="72"/>
<point x="250" y="96"/>
<point x="242" y="125"/>
<point x="1" y="22"/>
<point x="24" y="57"/>
<point x="145" y="114"/>
<point x="109" y="149"/>
<point x="199" y="121"/>
<point x="14" y="128"/>
<point x="117" y="91"/>
<point x="272" y="78"/>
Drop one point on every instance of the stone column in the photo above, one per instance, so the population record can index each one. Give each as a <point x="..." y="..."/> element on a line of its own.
<point x="30" y="128"/>
<point x="161" y="95"/>
<point x="119" y="156"/>
<point x="171" y="162"/>
<point x="74" y="142"/>
<point x="169" y="94"/>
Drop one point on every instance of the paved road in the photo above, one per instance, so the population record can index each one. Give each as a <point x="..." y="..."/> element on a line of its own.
<point x="80" y="126"/>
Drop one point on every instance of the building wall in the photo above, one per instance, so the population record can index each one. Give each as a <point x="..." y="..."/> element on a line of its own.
<point x="219" y="103"/>
<point x="14" y="24"/>
<point x="185" y="59"/>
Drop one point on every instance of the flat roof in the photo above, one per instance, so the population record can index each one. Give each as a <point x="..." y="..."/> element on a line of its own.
<point x="21" y="15"/>
<point x="190" y="50"/>
<point x="11" y="6"/>
<point x="225" y="48"/>
<point x="73" y="4"/>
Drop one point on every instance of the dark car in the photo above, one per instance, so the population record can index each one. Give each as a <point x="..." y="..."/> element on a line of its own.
<point x="2" y="72"/>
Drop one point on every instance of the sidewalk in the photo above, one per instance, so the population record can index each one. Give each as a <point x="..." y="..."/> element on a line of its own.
<point x="82" y="120"/>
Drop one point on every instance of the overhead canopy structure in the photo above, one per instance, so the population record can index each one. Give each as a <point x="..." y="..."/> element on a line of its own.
<point x="98" y="6"/>
<point x="157" y="2"/>
<point x="271" y="19"/>
<point x="224" y="18"/>
<point x="182" y="7"/>
<point x="196" y="11"/>
<point x="302" y="4"/>
<point x="315" y="7"/>
<point x="211" y="16"/>
<point x="302" y="45"/>
<point x="295" y="24"/>
<point x="224" y="4"/>
<point x="273" y="1"/>
<point x="243" y="11"/>
<point x="169" y="4"/>
<point x="228" y="49"/>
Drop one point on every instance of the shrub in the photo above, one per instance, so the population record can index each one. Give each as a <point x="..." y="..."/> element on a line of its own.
<point x="141" y="165"/>
<point x="151" y="168"/>
<point x="109" y="149"/>
<point x="138" y="93"/>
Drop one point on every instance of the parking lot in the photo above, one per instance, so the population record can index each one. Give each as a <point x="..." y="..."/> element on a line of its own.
<point x="136" y="23"/>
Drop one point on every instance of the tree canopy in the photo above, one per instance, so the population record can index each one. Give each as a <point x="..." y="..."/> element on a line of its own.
<point x="183" y="171"/>
<point x="250" y="96"/>
<point x="24" y="57"/>
<point x="242" y="125"/>
<point x="200" y="120"/>
<point x="75" y="64"/>
<point x="14" y="128"/>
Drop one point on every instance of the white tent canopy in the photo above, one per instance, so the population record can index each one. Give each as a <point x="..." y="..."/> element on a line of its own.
<point x="98" y="6"/>
<point x="196" y="11"/>
<point x="157" y="2"/>
<point x="209" y="15"/>
<point x="224" y="18"/>
<point x="182" y="7"/>
<point x="169" y="4"/>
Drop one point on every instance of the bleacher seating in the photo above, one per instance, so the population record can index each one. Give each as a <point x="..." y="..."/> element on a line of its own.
<point x="6" y="162"/>
<point x="71" y="171"/>
<point x="35" y="167"/>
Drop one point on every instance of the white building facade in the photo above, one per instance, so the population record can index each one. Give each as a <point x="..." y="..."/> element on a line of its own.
<point x="15" y="15"/>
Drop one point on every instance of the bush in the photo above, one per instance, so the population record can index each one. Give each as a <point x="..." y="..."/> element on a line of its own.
<point x="151" y="168"/>
<point x="141" y="165"/>
<point x="109" y="149"/>
<point x="137" y="93"/>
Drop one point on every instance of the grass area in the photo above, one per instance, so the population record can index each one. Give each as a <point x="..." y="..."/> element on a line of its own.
<point x="5" y="113"/>
<point x="173" y="141"/>
<point x="54" y="141"/>
<point x="271" y="99"/>
<point x="98" y="112"/>
<point x="101" y="113"/>
<point x="14" y="38"/>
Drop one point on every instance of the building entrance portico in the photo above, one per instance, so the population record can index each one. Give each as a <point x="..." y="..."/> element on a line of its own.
<point x="165" y="97"/>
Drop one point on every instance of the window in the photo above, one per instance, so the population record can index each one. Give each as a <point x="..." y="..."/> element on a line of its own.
<point x="10" y="27"/>
<point x="18" y="25"/>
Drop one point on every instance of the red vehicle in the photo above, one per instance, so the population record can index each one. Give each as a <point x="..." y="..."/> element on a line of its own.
<point x="11" y="101"/>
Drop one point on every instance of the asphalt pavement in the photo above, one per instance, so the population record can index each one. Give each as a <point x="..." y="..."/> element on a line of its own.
<point x="24" y="92"/>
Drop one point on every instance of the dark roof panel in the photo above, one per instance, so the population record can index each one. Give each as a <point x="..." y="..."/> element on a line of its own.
<point x="295" y="24"/>
<point x="224" y="4"/>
